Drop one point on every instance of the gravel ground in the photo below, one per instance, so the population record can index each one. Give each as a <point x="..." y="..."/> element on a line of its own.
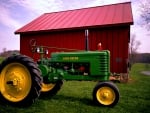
<point x="146" y="72"/>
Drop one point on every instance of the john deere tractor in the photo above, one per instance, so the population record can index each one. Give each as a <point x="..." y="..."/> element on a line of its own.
<point x="22" y="80"/>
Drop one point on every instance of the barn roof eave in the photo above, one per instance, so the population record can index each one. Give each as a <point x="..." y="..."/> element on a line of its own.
<point x="74" y="28"/>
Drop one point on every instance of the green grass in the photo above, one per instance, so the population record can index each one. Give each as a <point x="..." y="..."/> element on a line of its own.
<point x="1" y="59"/>
<point x="76" y="97"/>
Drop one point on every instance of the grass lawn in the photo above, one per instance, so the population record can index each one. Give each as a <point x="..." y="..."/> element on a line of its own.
<point x="76" y="97"/>
<point x="1" y="59"/>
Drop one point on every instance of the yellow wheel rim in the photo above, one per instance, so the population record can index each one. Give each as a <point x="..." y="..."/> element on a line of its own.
<point x="105" y="95"/>
<point x="47" y="87"/>
<point x="15" y="82"/>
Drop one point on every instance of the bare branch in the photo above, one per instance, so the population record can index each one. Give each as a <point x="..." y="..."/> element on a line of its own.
<point x="133" y="47"/>
<point x="145" y="13"/>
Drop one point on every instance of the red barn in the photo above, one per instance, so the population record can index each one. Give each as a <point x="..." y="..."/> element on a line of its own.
<point x="109" y="24"/>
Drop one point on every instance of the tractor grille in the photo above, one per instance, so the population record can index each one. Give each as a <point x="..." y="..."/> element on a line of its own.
<point x="104" y="64"/>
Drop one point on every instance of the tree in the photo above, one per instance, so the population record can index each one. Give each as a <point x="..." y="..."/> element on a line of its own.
<point x="4" y="50"/>
<point x="145" y="13"/>
<point x="133" y="47"/>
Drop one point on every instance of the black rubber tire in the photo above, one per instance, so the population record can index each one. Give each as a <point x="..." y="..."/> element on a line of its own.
<point x="110" y="85"/>
<point x="53" y="91"/>
<point x="36" y="79"/>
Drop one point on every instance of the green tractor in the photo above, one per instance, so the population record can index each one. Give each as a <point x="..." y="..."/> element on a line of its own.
<point x="23" y="80"/>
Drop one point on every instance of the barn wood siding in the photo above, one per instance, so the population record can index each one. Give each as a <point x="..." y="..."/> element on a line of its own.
<point x="67" y="39"/>
<point x="114" y="39"/>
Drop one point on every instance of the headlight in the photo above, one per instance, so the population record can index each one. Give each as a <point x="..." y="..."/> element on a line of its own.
<point x="46" y="52"/>
<point x="38" y="50"/>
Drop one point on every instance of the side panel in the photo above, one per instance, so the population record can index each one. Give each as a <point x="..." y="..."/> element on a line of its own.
<point x="113" y="39"/>
<point x="66" y="39"/>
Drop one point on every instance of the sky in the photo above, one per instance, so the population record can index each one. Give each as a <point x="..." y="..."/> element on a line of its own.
<point x="14" y="14"/>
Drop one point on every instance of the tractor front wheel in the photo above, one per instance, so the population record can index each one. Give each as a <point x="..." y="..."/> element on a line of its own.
<point x="50" y="89"/>
<point x="20" y="81"/>
<point x="106" y="94"/>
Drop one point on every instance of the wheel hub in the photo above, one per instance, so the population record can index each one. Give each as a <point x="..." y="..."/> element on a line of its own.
<point x="105" y="95"/>
<point x="15" y="82"/>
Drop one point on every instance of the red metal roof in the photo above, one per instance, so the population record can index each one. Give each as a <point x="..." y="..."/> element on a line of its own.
<point x="81" y="18"/>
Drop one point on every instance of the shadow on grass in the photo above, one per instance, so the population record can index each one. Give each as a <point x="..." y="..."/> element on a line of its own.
<point x="85" y="101"/>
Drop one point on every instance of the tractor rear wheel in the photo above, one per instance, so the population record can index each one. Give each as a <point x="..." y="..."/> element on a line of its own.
<point x="50" y="89"/>
<point x="106" y="94"/>
<point x="20" y="81"/>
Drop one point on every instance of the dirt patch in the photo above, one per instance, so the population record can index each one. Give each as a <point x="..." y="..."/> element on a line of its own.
<point x="146" y="73"/>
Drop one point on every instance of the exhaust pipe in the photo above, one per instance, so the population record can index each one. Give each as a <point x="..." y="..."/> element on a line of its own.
<point x="86" y="40"/>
